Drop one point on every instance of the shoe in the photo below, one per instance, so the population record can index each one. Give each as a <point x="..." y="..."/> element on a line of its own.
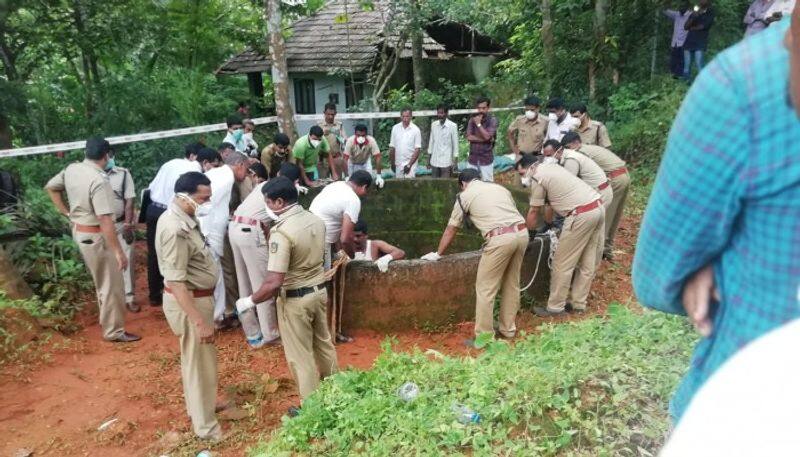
<point x="126" y="338"/>
<point x="293" y="411"/>
<point x="274" y="342"/>
<point x="504" y="337"/>
<point x="342" y="338"/>
<point x="572" y="309"/>
<point x="608" y="256"/>
<point x="133" y="307"/>
<point x="544" y="312"/>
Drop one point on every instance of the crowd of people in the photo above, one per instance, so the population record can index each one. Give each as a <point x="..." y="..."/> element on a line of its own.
<point x="229" y="245"/>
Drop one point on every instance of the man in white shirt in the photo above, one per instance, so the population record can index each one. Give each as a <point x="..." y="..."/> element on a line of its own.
<point x="162" y="191"/>
<point x="404" y="146"/>
<point x="214" y="219"/>
<point x="360" y="150"/>
<point x="235" y="134"/>
<point x="443" y="144"/>
<point x="250" y="145"/>
<point x="561" y="121"/>
<point x="338" y="205"/>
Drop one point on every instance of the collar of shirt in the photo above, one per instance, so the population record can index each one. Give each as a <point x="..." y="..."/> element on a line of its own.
<point x="290" y="212"/>
<point x="93" y="164"/>
<point x="191" y="221"/>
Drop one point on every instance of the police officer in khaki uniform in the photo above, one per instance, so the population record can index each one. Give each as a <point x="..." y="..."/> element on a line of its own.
<point x="121" y="182"/>
<point x="617" y="173"/>
<point x="527" y="132"/>
<point x="590" y="131"/>
<point x="583" y="167"/>
<point x="276" y="154"/>
<point x="91" y="210"/>
<point x="491" y="208"/>
<point x="295" y="277"/>
<point x="190" y="275"/>
<point x="334" y="133"/>
<point x="581" y="241"/>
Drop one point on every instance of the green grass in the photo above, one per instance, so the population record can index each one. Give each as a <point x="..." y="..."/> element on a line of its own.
<point x="595" y="387"/>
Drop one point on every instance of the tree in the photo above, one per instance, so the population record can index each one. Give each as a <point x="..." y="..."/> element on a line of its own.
<point x="280" y="72"/>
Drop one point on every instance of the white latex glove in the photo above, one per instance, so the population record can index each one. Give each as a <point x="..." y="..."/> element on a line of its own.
<point x="431" y="256"/>
<point x="244" y="303"/>
<point x="379" y="181"/>
<point x="383" y="263"/>
<point x="301" y="189"/>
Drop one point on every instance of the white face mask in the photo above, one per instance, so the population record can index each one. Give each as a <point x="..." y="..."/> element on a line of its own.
<point x="361" y="140"/>
<point x="272" y="214"/>
<point x="553" y="117"/>
<point x="531" y="115"/>
<point x="549" y="159"/>
<point x="526" y="181"/>
<point x="314" y="143"/>
<point x="199" y="210"/>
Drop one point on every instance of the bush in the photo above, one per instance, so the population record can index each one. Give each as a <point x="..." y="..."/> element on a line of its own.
<point x="595" y="387"/>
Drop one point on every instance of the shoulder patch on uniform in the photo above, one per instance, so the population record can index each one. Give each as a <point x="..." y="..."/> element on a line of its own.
<point x="273" y="247"/>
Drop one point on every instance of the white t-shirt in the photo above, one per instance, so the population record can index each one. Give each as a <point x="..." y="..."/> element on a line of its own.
<point x="556" y="130"/>
<point x="749" y="407"/>
<point x="405" y="141"/>
<point x="336" y="200"/>
<point x="162" y="188"/>
<point x="215" y="225"/>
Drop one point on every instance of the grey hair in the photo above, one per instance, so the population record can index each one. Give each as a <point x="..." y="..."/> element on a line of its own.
<point x="235" y="158"/>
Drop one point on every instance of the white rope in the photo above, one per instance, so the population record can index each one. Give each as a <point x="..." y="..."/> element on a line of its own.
<point x="553" y="245"/>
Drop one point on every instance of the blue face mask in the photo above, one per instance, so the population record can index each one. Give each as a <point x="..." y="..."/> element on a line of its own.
<point x="110" y="164"/>
<point x="238" y="134"/>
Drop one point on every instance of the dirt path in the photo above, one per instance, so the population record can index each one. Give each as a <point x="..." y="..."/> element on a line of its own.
<point x="54" y="405"/>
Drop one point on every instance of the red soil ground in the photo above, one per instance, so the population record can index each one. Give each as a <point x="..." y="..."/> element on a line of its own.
<point x="53" y="403"/>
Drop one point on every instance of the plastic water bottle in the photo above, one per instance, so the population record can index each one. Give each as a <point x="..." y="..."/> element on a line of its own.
<point x="464" y="414"/>
<point x="408" y="391"/>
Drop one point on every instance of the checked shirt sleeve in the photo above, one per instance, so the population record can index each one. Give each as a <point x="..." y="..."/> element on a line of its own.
<point x="697" y="195"/>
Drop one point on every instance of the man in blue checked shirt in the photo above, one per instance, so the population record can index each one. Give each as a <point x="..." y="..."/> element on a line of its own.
<point x="720" y="241"/>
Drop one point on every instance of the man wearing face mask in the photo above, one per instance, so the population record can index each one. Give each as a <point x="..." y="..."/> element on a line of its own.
<point x="481" y="134"/>
<point x="359" y="152"/>
<point x="213" y="217"/>
<point x="580" y="243"/>
<point x="718" y="241"/>
<point x="121" y="182"/>
<point x="276" y="154"/>
<point x="527" y="133"/>
<point x="91" y="209"/>
<point x="560" y="121"/>
<point x="295" y="277"/>
<point x="250" y="145"/>
<point x="491" y="209"/>
<point x="592" y="132"/>
<point x="443" y="144"/>
<point x="307" y="150"/>
<point x="235" y="134"/>
<point x="581" y="166"/>
<point x="190" y="274"/>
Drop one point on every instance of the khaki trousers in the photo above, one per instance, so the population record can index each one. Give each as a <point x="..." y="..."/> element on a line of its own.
<point x="575" y="260"/>
<point x="198" y="365"/>
<point x="250" y="255"/>
<point x="127" y="275"/>
<point x="108" y="283"/>
<point x="620" y="185"/>
<point x="306" y="340"/>
<point x="499" y="269"/>
<point x="230" y="281"/>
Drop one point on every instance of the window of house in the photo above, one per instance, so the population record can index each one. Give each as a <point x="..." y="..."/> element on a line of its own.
<point x="304" y="101"/>
<point x="353" y="93"/>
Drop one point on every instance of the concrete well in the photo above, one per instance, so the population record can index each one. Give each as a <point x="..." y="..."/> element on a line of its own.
<point x="412" y="214"/>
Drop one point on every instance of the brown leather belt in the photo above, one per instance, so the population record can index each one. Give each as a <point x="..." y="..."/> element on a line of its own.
<point x="603" y="186"/>
<point x="618" y="172"/>
<point x="197" y="293"/>
<point x="588" y="207"/>
<point x="504" y="230"/>
<point x="87" y="228"/>
<point x="246" y="220"/>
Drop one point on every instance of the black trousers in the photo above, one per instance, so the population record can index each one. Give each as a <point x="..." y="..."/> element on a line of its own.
<point x="155" y="281"/>
<point x="676" y="62"/>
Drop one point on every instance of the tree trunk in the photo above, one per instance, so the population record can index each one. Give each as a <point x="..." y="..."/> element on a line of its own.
<point x="548" y="39"/>
<point x="280" y="72"/>
<point x="11" y="282"/>
<point x="419" y="73"/>
<point x="595" y="61"/>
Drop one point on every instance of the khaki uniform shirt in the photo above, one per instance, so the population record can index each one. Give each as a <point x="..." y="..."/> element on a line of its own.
<point x="183" y="255"/>
<point x="360" y="155"/>
<point x="88" y="192"/>
<point x="297" y="247"/>
<point x="488" y="205"/>
<point x="334" y="133"/>
<point x="606" y="159"/>
<point x="273" y="160"/>
<point x="583" y="167"/>
<point x="594" y="133"/>
<point x="530" y="134"/>
<point x="564" y="192"/>
<point x="121" y="182"/>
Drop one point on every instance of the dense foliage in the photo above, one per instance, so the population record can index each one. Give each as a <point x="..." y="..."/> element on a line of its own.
<point x="597" y="387"/>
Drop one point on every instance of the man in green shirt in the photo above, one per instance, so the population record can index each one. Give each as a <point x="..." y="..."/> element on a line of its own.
<point x="308" y="150"/>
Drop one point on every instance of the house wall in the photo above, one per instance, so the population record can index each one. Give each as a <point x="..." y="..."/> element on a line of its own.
<point x="325" y="85"/>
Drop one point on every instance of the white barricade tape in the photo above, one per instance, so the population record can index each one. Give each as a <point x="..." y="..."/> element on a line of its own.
<point x="122" y="139"/>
